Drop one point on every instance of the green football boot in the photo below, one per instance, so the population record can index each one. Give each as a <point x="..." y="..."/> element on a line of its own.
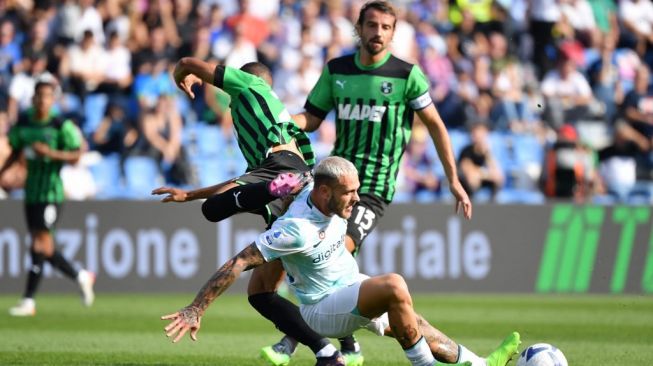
<point x="279" y="354"/>
<point x="353" y="358"/>
<point x="505" y="351"/>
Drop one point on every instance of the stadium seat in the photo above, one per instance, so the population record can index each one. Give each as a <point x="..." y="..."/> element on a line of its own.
<point x="483" y="195"/>
<point x="107" y="176"/>
<point x="403" y="197"/>
<point x="527" y="149"/>
<point x="520" y="196"/>
<point x="141" y="176"/>
<point x="459" y="139"/>
<point x="94" y="108"/>
<point x="641" y="194"/>
<point x="527" y="160"/>
<point x="426" y="197"/>
<point x="499" y="147"/>
<point x="210" y="171"/>
<point x="209" y="140"/>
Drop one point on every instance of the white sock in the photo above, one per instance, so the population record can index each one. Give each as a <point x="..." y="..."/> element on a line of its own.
<point x="465" y="355"/>
<point x="420" y="354"/>
<point x="326" y="351"/>
<point x="29" y="301"/>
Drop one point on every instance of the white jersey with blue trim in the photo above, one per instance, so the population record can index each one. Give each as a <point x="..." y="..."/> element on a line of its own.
<point x="312" y="249"/>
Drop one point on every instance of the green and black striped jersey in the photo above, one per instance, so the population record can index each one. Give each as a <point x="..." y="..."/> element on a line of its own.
<point x="260" y="118"/>
<point x="374" y="113"/>
<point x="43" y="183"/>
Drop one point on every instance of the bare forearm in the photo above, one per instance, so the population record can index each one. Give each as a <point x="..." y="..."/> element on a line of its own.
<point x="445" y="152"/>
<point x="440" y="138"/>
<point x="224" y="277"/>
<point x="306" y="121"/>
<point x="70" y="157"/>
<point x="197" y="67"/>
<point x="13" y="157"/>
<point x="206" y="192"/>
<point x="300" y="120"/>
<point x="634" y="114"/>
<point x="217" y="284"/>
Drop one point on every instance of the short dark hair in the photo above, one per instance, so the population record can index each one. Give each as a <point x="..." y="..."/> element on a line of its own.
<point x="45" y="83"/>
<point x="380" y="5"/>
<point x="258" y="69"/>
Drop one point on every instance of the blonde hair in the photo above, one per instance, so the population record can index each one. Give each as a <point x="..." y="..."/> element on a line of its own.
<point x="329" y="170"/>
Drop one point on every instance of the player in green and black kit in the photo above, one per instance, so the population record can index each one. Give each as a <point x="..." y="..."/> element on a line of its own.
<point x="266" y="136"/>
<point x="374" y="95"/>
<point x="271" y="144"/>
<point x="46" y="141"/>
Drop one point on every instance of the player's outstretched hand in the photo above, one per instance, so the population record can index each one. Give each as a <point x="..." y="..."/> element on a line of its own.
<point x="186" y="319"/>
<point x="173" y="194"/>
<point x="185" y="81"/>
<point x="462" y="199"/>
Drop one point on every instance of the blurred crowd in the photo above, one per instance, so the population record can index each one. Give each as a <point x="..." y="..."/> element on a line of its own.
<point x="544" y="99"/>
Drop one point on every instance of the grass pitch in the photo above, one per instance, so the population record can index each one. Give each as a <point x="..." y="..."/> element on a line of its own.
<point x="126" y="330"/>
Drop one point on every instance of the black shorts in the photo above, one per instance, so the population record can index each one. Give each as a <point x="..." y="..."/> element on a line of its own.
<point x="42" y="216"/>
<point x="364" y="218"/>
<point x="276" y="163"/>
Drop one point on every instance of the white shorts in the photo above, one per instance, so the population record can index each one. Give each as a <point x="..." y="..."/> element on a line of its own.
<point x="332" y="316"/>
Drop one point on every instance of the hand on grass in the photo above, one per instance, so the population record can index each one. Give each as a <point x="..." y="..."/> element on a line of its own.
<point x="186" y="319"/>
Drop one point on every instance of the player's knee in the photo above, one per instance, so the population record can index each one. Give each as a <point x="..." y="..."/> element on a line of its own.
<point x="209" y="209"/>
<point x="257" y="285"/>
<point x="259" y="301"/>
<point x="42" y="243"/>
<point x="265" y="279"/>
<point x="396" y="287"/>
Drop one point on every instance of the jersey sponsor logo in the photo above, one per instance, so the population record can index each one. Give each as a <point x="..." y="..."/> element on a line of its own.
<point x="236" y="194"/>
<point x="325" y="255"/>
<point x="357" y="112"/>
<point x="386" y="87"/>
<point x="341" y="83"/>
<point x="279" y="240"/>
<point x="321" y="235"/>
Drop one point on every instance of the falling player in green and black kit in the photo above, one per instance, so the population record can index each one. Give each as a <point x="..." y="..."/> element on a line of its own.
<point x="374" y="95"/>
<point x="269" y="141"/>
<point x="276" y="151"/>
<point x="46" y="141"/>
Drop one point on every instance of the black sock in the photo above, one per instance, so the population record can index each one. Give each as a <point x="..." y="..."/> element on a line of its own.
<point x="34" y="275"/>
<point x="286" y="317"/>
<point x="245" y="198"/>
<point x="62" y="264"/>
<point x="289" y="343"/>
<point x="348" y="344"/>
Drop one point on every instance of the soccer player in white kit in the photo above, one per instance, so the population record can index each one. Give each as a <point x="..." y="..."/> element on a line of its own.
<point x="335" y="298"/>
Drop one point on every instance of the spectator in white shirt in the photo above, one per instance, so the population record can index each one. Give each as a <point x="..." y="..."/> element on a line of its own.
<point x="566" y="92"/>
<point x="637" y="18"/>
<point x="85" y="65"/>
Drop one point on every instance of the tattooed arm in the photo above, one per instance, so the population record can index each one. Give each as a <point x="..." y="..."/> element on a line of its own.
<point x="189" y="318"/>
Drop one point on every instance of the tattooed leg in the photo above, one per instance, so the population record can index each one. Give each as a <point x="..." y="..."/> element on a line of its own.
<point x="405" y="335"/>
<point x="443" y="348"/>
